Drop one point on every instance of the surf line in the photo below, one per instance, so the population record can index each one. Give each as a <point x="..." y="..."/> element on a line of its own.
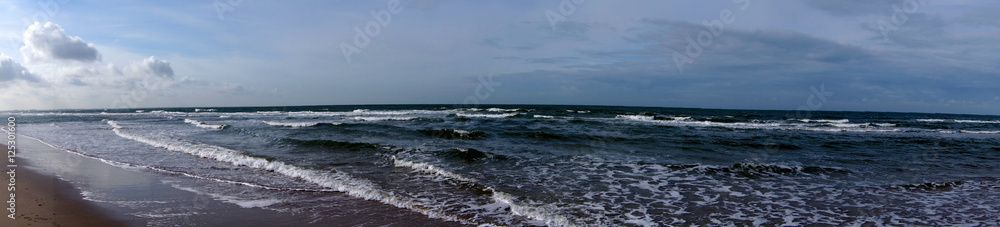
<point x="11" y="166"/>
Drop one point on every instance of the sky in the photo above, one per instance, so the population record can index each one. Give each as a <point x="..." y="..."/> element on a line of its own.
<point x="858" y="55"/>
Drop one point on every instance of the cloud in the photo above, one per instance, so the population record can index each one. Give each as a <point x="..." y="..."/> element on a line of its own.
<point x="50" y="42"/>
<point x="764" y="68"/>
<point x="10" y="70"/>
<point x="853" y="7"/>
<point x="68" y="73"/>
<point x="155" y="67"/>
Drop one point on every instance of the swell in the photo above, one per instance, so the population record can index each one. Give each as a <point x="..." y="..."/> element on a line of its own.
<point x="453" y="134"/>
<point x="338" y="145"/>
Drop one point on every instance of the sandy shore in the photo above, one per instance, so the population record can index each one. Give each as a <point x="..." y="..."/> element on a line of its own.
<point x="43" y="200"/>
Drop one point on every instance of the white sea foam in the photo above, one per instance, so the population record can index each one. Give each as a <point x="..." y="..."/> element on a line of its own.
<point x="428" y="168"/>
<point x="861" y="125"/>
<point x="547" y="216"/>
<point x="979" y="132"/>
<point x="542" y="214"/>
<point x="544" y="116"/>
<point x="270" y="112"/>
<point x="298" y="124"/>
<point x="959" y="121"/>
<point x="203" y="125"/>
<point x="841" y="121"/>
<point x="334" y="180"/>
<point x="486" y="115"/>
<point x="757" y="124"/>
<point x="501" y="110"/>
<point x="383" y="118"/>
<point x="244" y="203"/>
<point x="643" y="118"/>
<point x="365" y="112"/>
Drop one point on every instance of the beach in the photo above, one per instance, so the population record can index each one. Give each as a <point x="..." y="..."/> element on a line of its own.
<point x="43" y="200"/>
<point x="58" y="187"/>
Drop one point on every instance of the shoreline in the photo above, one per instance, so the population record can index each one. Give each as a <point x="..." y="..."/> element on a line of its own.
<point x="74" y="190"/>
<point x="43" y="200"/>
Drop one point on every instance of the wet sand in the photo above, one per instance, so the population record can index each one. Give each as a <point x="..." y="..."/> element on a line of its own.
<point x="43" y="200"/>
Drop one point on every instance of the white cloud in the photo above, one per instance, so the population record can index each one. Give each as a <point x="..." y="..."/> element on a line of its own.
<point x="50" y="42"/>
<point x="11" y="70"/>
<point x="63" y="71"/>
<point x="155" y="67"/>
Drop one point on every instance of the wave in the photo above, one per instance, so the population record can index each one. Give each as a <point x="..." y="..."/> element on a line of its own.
<point x="428" y="168"/>
<point x="538" y="135"/>
<point x="366" y="112"/>
<point x="126" y="165"/>
<point x="203" y="125"/>
<point x="299" y="124"/>
<point x="335" y="180"/>
<point x="383" y="118"/>
<point x="468" y="115"/>
<point x="959" y="121"/>
<point x="643" y="118"/>
<point x="825" y="126"/>
<point x="840" y="121"/>
<point x="470" y="155"/>
<point x="543" y="214"/>
<point x="454" y="134"/>
<point x="330" y="144"/>
<point x="979" y="132"/>
<point x="503" y="110"/>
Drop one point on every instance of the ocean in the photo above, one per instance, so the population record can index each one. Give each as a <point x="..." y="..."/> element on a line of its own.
<point x="550" y="165"/>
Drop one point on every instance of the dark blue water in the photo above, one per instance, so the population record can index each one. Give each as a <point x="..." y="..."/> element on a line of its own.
<point x="562" y="165"/>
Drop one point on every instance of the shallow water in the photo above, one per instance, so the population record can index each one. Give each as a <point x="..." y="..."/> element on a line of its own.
<point x="559" y="165"/>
